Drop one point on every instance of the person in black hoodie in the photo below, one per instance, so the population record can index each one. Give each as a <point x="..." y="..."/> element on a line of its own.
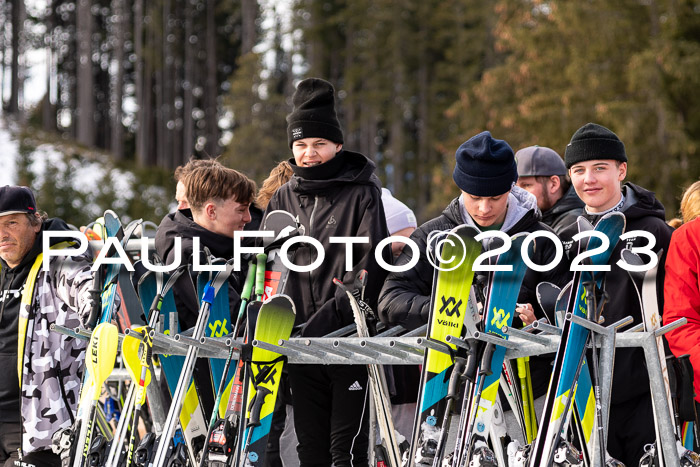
<point x="334" y="193"/>
<point x="597" y="164"/>
<point x="219" y="200"/>
<point x="486" y="172"/>
<point x="542" y="172"/>
<point x="42" y="397"/>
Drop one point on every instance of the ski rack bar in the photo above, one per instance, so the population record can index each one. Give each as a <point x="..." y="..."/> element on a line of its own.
<point x="132" y="246"/>
<point x="409" y="350"/>
<point x="546" y="327"/>
<point x="526" y="336"/>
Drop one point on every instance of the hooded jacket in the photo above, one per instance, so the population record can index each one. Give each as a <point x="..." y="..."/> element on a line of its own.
<point x="405" y="297"/>
<point x="682" y="294"/>
<point x="50" y="364"/>
<point x="642" y="212"/>
<point x="340" y="198"/>
<point x="180" y="224"/>
<point x="564" y="212"/>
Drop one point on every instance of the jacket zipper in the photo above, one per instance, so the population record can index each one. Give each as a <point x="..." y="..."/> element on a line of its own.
<point x="311" y="229"/>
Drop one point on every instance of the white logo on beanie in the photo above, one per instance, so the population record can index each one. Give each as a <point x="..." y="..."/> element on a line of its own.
<point x="297" y="133"/>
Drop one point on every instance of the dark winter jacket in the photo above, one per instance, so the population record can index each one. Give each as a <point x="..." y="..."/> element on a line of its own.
<point x="564" y="212"/>
<point x="341" y="197"/>
<point x="49" y="364"/>
<point x="642" y="212"/>
<point x="180" y="224"/>
<point x="405" y="297"/>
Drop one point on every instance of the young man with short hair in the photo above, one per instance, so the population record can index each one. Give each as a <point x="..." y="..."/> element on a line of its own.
<point x="597" y="164"/>
<point x="485" y="172"/>
<point x="542" y="172"/>
<point x="219" y="199"/>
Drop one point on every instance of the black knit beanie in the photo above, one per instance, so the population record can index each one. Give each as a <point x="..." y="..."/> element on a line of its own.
<point x="485" y="166"/>
<point x="594" y="142"/>
<point x="314" y="114"/>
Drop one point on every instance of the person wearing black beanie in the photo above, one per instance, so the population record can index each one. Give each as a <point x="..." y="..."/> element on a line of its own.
<point x="333" y="192"/>
<point x="597" y="164"/>
<point x="485" y="172"/>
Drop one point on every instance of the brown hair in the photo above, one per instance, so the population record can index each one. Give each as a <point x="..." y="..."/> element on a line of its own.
<point x="564" y="182"/>
<point x="183" y="170"/>
<point x="37" y="218"/>
<point x="690" y="203"/>
<point x="217" y="183"/>
<point x="278" y="177"/>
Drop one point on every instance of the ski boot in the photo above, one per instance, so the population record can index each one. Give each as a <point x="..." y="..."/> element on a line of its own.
<point x="482" y="456"/>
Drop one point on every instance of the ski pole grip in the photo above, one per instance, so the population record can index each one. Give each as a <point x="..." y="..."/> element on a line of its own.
<point x="249" y="281"/>
<point x="485" y="369"/>
<point x="457" y="372"/>
<point x="258" y="402"/>
<point x="260" y="274"/>
<point x="472" y="361"/>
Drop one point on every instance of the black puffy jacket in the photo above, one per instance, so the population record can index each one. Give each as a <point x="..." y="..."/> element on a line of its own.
<point x="340" y="198"/>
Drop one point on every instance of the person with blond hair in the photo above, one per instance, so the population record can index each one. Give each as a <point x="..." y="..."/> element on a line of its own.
<point x="279" y="175"/>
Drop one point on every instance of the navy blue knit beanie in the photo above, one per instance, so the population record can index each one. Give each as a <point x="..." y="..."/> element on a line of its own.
<point x="485" y="166"/>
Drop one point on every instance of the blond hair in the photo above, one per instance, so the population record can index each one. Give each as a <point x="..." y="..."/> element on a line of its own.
<point x="278" y="177"/>
<point x="690" y="203"/>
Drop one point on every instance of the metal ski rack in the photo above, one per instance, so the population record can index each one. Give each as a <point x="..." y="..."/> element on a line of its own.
<point x="408" y="349"/>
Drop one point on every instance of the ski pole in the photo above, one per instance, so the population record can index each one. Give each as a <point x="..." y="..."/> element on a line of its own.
<point x="484" y="371"/>
<point x="102" y="353"/>
<point x="245" y="298"/>
<point x="456" y="379"/>
<point x="210" y="292"/>
<point x="145" y="378"/>
<point x="593" y="317"/>
<point x="239" y="391"/>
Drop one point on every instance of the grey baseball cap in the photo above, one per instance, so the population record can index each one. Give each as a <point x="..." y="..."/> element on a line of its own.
<point x="536" y="161"/>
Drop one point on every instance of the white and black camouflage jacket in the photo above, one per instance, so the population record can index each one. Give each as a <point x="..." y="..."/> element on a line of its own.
<point x="52" y="363"/>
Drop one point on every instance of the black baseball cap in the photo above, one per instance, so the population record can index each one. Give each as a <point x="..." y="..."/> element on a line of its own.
<point x="16" y="200"/>
<point x="538" y="161"/>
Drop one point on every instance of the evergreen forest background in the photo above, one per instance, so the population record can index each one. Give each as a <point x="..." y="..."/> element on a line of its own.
<point x="137" y="87"/>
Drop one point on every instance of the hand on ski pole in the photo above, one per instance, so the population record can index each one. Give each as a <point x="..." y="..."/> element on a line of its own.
<point x="526" y="313"/>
